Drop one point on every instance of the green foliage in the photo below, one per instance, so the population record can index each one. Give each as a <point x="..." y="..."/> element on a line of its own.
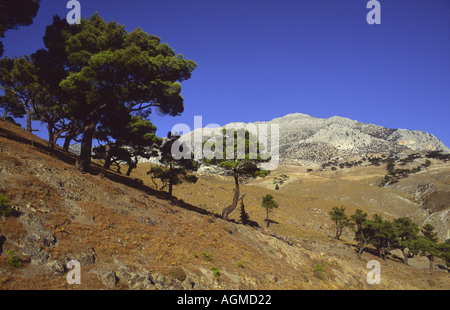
<point x="269" y="204"/>
<point x="407" y="234"/>
<point x="438" y="155"/>
<point x="5" y="207"/>
<point x="16" y="13"/>
<point x="444" y="252"/>
<point x="319" y="272"/>
<point x="174" y="171"/>
<point x="19" y="79"/>
<point x="14" y="261"/>
<point x="126" y="140"/>
<point x="216" y="271"/>
<point x="318" y="268"/>
<point x="10" y="104"/>
<point x="429" y="233"/>
<point x="240" y="264"/>
<point x="402" y="233"/>
<point x="340" y="219"/>
<point x="241" y="159"/>
<point x="112" y="73"/>
<point x="207" y="255"/>
<point x="383" y="235"/>
<point x="395" y="174"/>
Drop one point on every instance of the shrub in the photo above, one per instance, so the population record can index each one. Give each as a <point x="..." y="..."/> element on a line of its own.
<point x="318" y="272"/>
<point x="318" y="268"/>
<point x="14" y="261"/>
<point x="240" y="264"/>
<point x="207" y="256"/>
<point x="215" y="271"/>
<point x="5" y="206"/>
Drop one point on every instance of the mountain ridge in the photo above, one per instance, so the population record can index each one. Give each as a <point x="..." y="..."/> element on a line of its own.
<point x="309" y="140"/>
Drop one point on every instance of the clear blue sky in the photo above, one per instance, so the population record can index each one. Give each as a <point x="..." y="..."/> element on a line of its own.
<point x="258" y="60"/>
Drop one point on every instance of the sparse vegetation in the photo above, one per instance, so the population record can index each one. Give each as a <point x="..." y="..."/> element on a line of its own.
<point x="240" y="166"/>
<point x="269" y="204"/>
<point x="173" y="171"/>
<point x="384" y="235"/>
<point x="438" y="155"/>
<point x="13" y="260"/>
<point x="5" y="206"/>
<point x="340" y="220"/>
<point x="207" y="256"/>
<point x="395" y="174"/>
<point x="216" y="272"/>
<point x="319" y="273"/>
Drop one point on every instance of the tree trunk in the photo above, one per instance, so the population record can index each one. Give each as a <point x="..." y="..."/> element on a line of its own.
<point x="338" y="230"/>
<point x="170" y="188"/>
<point x="51" y="137"/>
<point x="406" y="256"/>
<point x="229" y="209"/>
<point x="67" y="140"/>
<point x="108" y="161"/>
<point x="362" y="246"/>
<point x="131" y="165"/>
<point x="83" y="163"/>
<point x="29" y="128"/>
<point x="383" y="254"/>
<point x="431" y="258"/>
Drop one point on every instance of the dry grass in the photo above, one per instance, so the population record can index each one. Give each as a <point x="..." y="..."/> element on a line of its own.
<point x="137" y="226"/>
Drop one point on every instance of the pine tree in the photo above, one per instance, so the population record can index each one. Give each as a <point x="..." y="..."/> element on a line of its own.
<point x="383" y="235"/>
<point x="127" y="142"/>
<point x="269" y="204"/>
<point x="362" y="232"/>
<point x="173" y="171"/>
<point x="16" y="13"/>
<point x="238" y="163"/>
<point x="407" y="232"/>
<point x="340" y="219"/>
<point x="110" y="69"/>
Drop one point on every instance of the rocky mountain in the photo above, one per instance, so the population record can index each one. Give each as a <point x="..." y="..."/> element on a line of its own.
<point x="309" y="140"/>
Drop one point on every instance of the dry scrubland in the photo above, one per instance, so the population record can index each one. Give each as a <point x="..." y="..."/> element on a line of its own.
<point x="128" y="235"/>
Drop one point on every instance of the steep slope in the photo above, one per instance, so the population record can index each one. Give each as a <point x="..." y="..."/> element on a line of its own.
<point x="128" y="236"/>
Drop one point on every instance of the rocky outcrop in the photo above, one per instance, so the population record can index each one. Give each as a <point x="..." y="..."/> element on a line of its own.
<point x="309" y="140"/>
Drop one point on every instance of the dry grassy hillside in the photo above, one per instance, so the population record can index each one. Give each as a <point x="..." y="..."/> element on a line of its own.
<point x="127" y="235"/>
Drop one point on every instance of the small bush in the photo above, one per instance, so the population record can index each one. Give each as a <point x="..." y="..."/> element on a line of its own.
<point x="5" y="207"/>
<point x="215" y="271"/>
<point x="318" y="268"/>
<point x="14" y="261"/>
<point x="207" y="256"/>
<point x="240" y="264"/>
<point x="318" y="272"/>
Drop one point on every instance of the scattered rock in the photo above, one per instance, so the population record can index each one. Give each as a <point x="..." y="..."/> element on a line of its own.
<point x="177" y="273"/>
<point x="109" y="278"/>
<point x="56" y="267"/>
